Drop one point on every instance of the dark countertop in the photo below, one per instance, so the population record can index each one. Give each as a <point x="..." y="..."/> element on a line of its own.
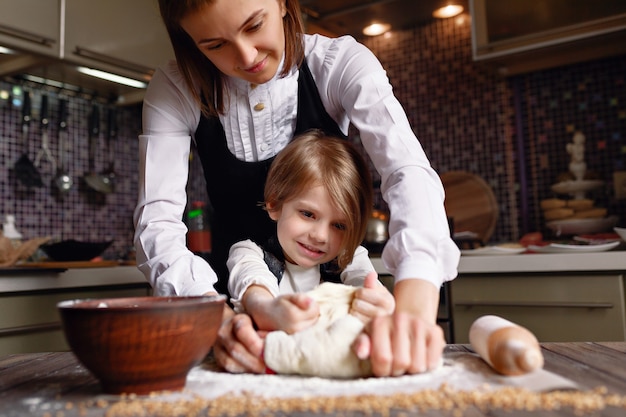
<point x="55" y="384"/>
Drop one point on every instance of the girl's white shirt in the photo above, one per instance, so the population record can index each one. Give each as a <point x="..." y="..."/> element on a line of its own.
<point x="247" y="267"/>
<point x="353" y="87"/>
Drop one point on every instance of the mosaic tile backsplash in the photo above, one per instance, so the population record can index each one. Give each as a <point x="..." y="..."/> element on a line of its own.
<point x="82" y="213"/>
<point x="511" y="131"/>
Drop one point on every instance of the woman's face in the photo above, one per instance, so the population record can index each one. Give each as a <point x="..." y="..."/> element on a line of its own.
<point x="310" y="229"/>
<point x="242" y="38"/>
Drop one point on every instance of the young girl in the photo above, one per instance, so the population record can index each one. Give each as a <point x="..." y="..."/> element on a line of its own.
<point x="246" y="80"/>
<point x="319" y="193"/>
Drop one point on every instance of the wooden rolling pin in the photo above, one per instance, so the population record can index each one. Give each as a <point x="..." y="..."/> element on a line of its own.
<point x="508" y="348"/>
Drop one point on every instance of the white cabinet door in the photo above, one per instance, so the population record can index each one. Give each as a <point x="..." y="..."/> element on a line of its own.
<point x="121" y="36"/>
<point x="31" y="25"/>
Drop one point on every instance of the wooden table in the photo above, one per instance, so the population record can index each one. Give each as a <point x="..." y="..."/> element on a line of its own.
<point x="56" y="385"/>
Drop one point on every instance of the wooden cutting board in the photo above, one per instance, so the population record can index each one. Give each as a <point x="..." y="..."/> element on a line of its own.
<point x="470" y="201"/>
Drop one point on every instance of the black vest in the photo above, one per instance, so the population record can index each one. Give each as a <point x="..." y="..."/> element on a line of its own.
<point x="235" y="187"/>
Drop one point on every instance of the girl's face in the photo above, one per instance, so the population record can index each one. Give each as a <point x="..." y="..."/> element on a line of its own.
<point x="310" y="228"/>
<point x="242" y="38"/>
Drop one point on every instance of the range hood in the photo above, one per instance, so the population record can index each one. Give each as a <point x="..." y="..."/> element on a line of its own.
<point x="24" y="67"/>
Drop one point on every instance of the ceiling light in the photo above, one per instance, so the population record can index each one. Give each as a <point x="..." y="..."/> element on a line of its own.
<point x="112" y="77"/>
<point x="376" y="29"/>
<point x="450" y="10"/>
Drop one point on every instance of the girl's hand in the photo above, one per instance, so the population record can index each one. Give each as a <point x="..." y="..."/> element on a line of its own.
<point x="372" y="300"/>
<point x="291" y="313"/>
<point x="238" y="347"/>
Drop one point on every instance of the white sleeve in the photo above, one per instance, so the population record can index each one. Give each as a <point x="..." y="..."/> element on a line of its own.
<point x="355" y="272"/>
<point x="247" y="267"/>
<point x="169" y="118"/>
<point x="354" y="86"/>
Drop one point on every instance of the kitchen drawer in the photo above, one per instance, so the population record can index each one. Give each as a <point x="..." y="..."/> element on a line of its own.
<point x="556" y="308"/>
<point x="31" y="322"/>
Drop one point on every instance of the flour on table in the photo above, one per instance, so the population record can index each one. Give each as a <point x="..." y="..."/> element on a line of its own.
<point x="460" y="372"/>
<point x="324" y="349"/>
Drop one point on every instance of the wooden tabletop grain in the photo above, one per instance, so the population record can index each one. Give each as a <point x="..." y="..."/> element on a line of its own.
<point x="57" y="385"/>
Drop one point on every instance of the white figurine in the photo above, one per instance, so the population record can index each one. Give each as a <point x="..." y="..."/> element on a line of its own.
<point x="577" y="166"/>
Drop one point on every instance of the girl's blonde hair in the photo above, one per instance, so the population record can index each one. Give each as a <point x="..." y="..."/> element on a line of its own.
<point x="316" y="159"/>
<point x="198" y="70"/>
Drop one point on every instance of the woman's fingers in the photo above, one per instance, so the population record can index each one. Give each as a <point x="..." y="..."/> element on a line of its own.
<point x="401" y="343"/>
<point x="238" y="347"/>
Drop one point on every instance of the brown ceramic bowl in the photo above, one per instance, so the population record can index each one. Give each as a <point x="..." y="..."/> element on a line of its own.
<point x="141" y="344"/>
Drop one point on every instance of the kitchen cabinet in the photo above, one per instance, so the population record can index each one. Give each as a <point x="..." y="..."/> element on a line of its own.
<point x="31" y="25"/>
<point x="561" y="297"/>
<point x="556" y="307"/>
<point x="29" y="320"/>
<point x="120" y="36"/>
<point x="31" y="323"/>
<point x="126" y="38"/>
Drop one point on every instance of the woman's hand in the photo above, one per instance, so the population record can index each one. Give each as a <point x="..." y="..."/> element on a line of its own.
<point x="408" y="341"/>
<point x="372" y="300"/>
<point x="238" y="347"/>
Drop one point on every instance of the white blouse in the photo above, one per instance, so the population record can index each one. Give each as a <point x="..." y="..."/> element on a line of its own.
<point x="354" y="88"/>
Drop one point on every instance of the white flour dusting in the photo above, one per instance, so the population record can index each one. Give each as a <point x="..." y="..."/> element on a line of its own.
<point x="460" y="371"/>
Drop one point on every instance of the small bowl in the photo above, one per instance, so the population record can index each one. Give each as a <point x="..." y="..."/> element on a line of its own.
<point x="621" y="231"/>
<point x="141" y="345"/>
<point x="74" y="250"/>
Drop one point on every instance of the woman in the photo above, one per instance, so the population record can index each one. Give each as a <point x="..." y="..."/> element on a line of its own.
<point x="245" y="82"/>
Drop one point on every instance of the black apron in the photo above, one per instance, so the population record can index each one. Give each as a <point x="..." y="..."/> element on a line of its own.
<point x="235" y="187"/>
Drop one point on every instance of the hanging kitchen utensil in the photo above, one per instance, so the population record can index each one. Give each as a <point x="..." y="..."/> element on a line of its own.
<point x="92" y="178"/>
<point x="45" y="146"/>
<point x="108" y="175"/>
<point x="24" y="168"/>
<point x="63" y="181"/>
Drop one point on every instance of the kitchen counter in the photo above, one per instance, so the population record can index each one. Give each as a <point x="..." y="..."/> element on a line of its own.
<point x="54" y="384"/>
<point x="560" y="297"/>
<point x="535" y="262"/>
<point x="40" y="279"/>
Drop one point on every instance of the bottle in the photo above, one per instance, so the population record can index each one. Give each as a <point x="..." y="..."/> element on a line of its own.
<point x="10" y="231"/>
<point x="199" y="230"/>
<point x="508" y="348"/>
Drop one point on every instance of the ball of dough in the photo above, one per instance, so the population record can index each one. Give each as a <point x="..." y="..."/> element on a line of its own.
<point x="324" y="349"/>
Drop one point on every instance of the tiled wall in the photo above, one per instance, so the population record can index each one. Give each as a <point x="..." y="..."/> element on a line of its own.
<point x="82" y="213"/>
<point x="464" y="116"/>
<point x="467" y="119"/>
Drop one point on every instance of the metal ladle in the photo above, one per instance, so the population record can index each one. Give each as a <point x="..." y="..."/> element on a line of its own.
<point x="108" y="175"/>
<point x="44" y="152"/>
<point x="92" y="178"/>
<point x="62" y="180"/>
